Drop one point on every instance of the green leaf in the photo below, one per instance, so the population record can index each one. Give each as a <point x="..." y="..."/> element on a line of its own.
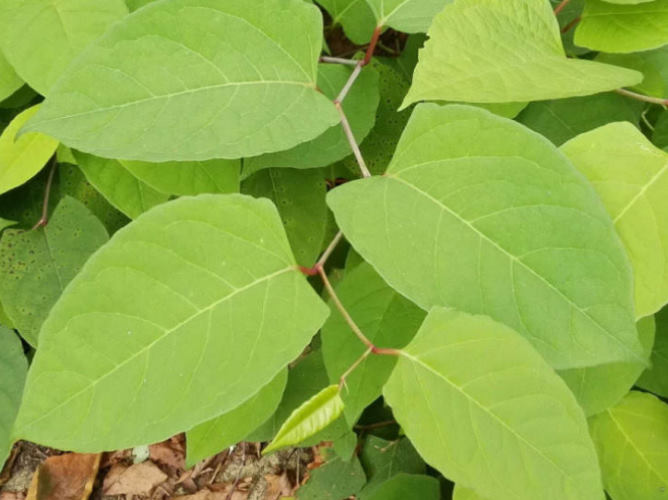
<point x="462" y="493"/>
<point x="215" y="435"/>
<point x="628" y="2"/>
<point x="599" y="387"/>
<point x="631" y="177"/>
<point x="382" y="460"/>
<point x="41" y="37"/>
<point x="408" y="487"/>
<point x="632" y="439"/>
<point x="655" y="379"/>
<point x="299" y="196"/>
<point x="623" y="28"/>
<point x="660" y="134"/>
<point x="483" y="407"/>
<point x="121" y="189"/>
<point x="10" y="82"/>
<point x="385" y="317"/>
<point x="195" y="80"/>
<point x="311" y="417"/>
<point x="653" y="64"/>
<point x="4" y="319"/>
<point x="195" y="290"/>
<point x="37" y="265"/>
<point x="563" y="119"/>
<point x="335" y="480"/>
<point x="188" y="178"/>
<point x="509" y="51"/>
<point x="355" y="16"/>
<point x="410" y="16"/>
<point x="4" y="224"/>
<point x="478" y="213"/>
<point x="360" y="108"/>
<point x="21" y="158"/>
<point x="13" y="368"/>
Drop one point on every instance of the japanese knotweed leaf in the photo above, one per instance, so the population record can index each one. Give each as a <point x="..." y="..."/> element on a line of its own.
<point x="408" y="487"/>
<point x="41" y="37"/>
<point x="215" y="435"/>
<point x="195" y="80"/>
<point x="653" y="64"/>
<point x="632" y="444"/>
<point x="360" y="107"/>
<point x="21" y="158"/>
<point x="385" y="317"/>
<point x="504" y="51"/>
<point x="334" y="480"/>
<point x="623" y="28"/>
<point x="355" y="17"/>
<point x="311" y="417"/>
<point x="123" y="190"/>
<point x="655" y="379"/>
<point x="37" y="265"/>
<point x="630" y="175"/>
<point x="193" y="291"/>
<point x="410" y="16"/>
<point x="462" y="493"/>
<point x="486" y="410"/>
<point x="10" y="82"/>
<point x="13" y="368"/>
<point x="479" y="213"/>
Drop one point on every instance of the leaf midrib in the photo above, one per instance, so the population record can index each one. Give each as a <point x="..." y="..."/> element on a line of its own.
<point x="642" y="192"/>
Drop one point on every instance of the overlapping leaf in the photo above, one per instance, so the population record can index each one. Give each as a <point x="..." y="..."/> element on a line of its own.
<point x="355" y="16"/>
<point x="408" y="487"/>
<point x="655" y="378"/>
<point x="477" y="212"/>
<point x="10" y="82"/>
<point x="195" y="80"/>
<point x="13" y="368"/>
<point x="195" y="290"/>
<point x="410" y="16"/>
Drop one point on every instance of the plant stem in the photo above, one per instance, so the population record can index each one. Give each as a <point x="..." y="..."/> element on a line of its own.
<point x="644" y="98"/>
<point x="570" y="25"/>
<point x="342" y="379"/>
<point x="338" y="60"/>
<point x="44" y="219"/>
<point x="349" y="83"/>
<point x="561" y="6"/>
<point x="353" y="143"/>
<point x="372" y="45"/>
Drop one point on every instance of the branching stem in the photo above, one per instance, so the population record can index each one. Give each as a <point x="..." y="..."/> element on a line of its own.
<point x="338" y="60"/>
<point x="44" y="219"/>
<point x="644" y="98"/>
<point x="359" y="361"/>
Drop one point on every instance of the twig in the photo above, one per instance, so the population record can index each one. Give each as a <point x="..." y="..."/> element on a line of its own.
<point x="570" y="25"/>
<point x="661" y="101"/>
<point x="312" y="271"/>
<point x="372" y="45"/>
<point x="338" y="60"/>
<point x="44" y="219"/>
<point x="349" y="83"/>
<point x="351" y="140"/>
<point x="561" y="6"/>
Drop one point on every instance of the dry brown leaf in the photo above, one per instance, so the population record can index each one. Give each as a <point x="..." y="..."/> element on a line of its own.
<point x="12" y="495"/>
<point x="278" y="486"/>
<point x="138" y="479"/>
<point x="214" y="495"/>
<point x="170" y="454"/>
<point x="65" y="477"/>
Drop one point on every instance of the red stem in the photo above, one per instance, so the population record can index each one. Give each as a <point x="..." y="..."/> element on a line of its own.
<point x="561" y="6"/>
<point x="372" y="45"/>
<point x="44" y="219"/>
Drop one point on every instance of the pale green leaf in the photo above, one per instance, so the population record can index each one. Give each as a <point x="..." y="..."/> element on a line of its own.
<point x="299" y="196"/>
<point x="410" y="16"/>
<point x="385" y="317"/>
<point x="334" y="480"/>
<point x="10" y="82"/>
<point x="360" y="107"/>
<point x="623" y="28"/>
<point x="484" y="408"/>
<point x="479" y="213"/>
<point x="41" y="37"/>
<point x="599" y="387"/>
<point x="355" y="16"/>
<point x="21" y="158"/>
<point x="188" y="178"/>
<point x="631" y="177"/>
<point x="632" y="443"/>
<point x="505" y="51"/>
<point x="13" y="368"/>
<point x="563" y="119"/>
<point x="215" y="435"/>
<point x="37" y="265"/>
<point x="122" y="189"/>
<point x="194" y="291"/>
<point x="462" y="493"/>
<point x="310" y="418"/>
<point x="195" y="80"/>
<point x="653" y="64"/>
<point x="628" y="2"/>
<point x="655" y="378"/>
<point x="137" y="4"/>
<point x="408" y="487"/>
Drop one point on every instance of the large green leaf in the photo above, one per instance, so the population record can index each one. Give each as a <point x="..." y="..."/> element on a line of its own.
<point x="632" y="443"/>
<point x="215" y="435"/>
<point x="360" y="107"/>
<point x="122" y="189"/>
<point x="408" y="487"/>
<point x="410" y="16"/>
<point x="655" y="378"/>
<point x="195" y="80"/>
<point x="188" y="178"/>
<point x="653" y="64"/>
<point x="21" y="158"/>
<point x="462" y="493"/>
<point x="37" y="265"/>
<point x="504" y="51"/>
<point x="10" y="82"/>
<point x="385" y="317"/>
<point x="623" y="28"/>
<point x="299" y="196"/>
<point x="355" y="16"/>
<point x="631" y="177"/>
<point x="599" y="387"/>
<point x="193" y="291"/>
<point x="41" y="37"/>
<point x="484" y="408"/>
<point x="479" y="213"/>
<point x="13" y="368"/>
<point x="335" y="480"/>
